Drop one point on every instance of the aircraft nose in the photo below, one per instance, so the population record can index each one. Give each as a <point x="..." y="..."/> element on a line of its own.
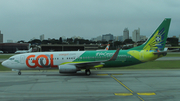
<point x="4" y="63"/>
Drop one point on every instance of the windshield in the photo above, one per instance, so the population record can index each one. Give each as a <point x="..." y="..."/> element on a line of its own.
<point x="11" y="58"/>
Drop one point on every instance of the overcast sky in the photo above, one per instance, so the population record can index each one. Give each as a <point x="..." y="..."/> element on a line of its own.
<point x="25" y="19"/>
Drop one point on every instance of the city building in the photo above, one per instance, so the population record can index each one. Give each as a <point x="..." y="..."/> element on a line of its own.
<point x="118" y="38"/>
<point x="1" y="37"/>
<point x="9" y="41"/>
<point x="42" y="37"/>
<point x="76" y="37"/>
<point x="99" y="38"/>
<point x="125" y="34"/>
<point x="136" y="35"/>
<point x="107" y="37"/>
<point x="143" y="38"/>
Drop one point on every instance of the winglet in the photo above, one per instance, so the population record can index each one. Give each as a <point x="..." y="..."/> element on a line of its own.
<point x="113" y="58"/>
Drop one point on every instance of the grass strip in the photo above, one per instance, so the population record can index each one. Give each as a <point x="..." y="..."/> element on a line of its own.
<point x="167" y="64"/>
<point x="5" y="56"/>
<point x="2" y="68"/>
<point x="172" y="55"/>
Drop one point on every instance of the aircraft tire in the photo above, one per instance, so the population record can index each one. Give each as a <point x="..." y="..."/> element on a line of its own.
<point x="19" y="73"/>
<point x="88" y="72"/>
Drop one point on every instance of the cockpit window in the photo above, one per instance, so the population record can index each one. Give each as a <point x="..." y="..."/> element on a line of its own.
<point x="11" y="58"/>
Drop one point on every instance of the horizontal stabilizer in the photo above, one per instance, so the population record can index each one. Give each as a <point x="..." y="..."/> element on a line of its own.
<point x="165" y="51"/>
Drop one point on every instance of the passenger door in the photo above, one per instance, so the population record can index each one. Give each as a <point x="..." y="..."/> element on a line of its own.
<point x="22" y="59"/>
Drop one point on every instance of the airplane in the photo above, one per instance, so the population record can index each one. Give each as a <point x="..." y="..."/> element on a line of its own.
<point x="23" y="51"/>
<point x="107" y="48"/>
<point x="1" y="51"/>
<point x="73" y="61"/>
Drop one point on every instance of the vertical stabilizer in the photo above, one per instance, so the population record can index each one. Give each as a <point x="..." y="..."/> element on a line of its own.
<point x="158" y="39"/>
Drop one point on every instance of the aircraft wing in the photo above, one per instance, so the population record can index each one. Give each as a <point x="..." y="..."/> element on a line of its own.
<point x="162" y="52"/>
<point x="85" y="64"/>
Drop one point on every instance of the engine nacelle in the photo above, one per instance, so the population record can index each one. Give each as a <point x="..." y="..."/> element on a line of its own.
<point x="67" y="69"/>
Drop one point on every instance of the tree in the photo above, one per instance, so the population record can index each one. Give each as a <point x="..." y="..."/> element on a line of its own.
<point x="70" y="40"/>
<point x="54" y="41"/>
<point x="173" y="41"/>
<point x="60" y="40"/>
<point x="45" y="42"/>
<point x="21" y="41"/>
<point x="35" y="41"/>
<point x="128" y="41"/>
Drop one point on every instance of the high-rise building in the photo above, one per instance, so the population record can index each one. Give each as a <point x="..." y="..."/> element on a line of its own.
<point x="42" y="37"/>
<point x="119" y="38"/>
<point x="99" y="38"/>
<point x="1" y="37"/>
<point x="136" y="35"/>
<point x="125" y="34"/>
<point x="107" y="37"/>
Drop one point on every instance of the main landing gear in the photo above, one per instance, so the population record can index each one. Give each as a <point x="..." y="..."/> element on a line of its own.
<point x="87" y="72"/>
<point x="19" y="73"/>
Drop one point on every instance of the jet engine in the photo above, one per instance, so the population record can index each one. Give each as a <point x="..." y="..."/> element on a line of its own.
<point x="68" y="69"/>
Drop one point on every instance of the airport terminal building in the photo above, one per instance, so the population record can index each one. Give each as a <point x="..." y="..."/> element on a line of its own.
<point x="67" y="47"/>
<point x="13" y="47"/>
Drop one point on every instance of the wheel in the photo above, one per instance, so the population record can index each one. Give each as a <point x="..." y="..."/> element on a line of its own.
<point x="88" y="72"/>
<point x="19" y="73"/>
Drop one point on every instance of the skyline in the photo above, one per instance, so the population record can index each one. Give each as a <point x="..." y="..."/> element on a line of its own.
<point x="25" y="19"/>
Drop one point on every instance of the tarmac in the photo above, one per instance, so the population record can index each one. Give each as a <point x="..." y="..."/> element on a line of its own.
<point x="101" y="85"/>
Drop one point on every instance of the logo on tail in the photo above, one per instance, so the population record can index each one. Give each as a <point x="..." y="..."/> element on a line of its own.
<point x="157" y="41"/>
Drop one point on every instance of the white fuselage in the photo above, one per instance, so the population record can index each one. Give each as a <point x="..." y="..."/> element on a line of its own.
<point x="40" y="60"/>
